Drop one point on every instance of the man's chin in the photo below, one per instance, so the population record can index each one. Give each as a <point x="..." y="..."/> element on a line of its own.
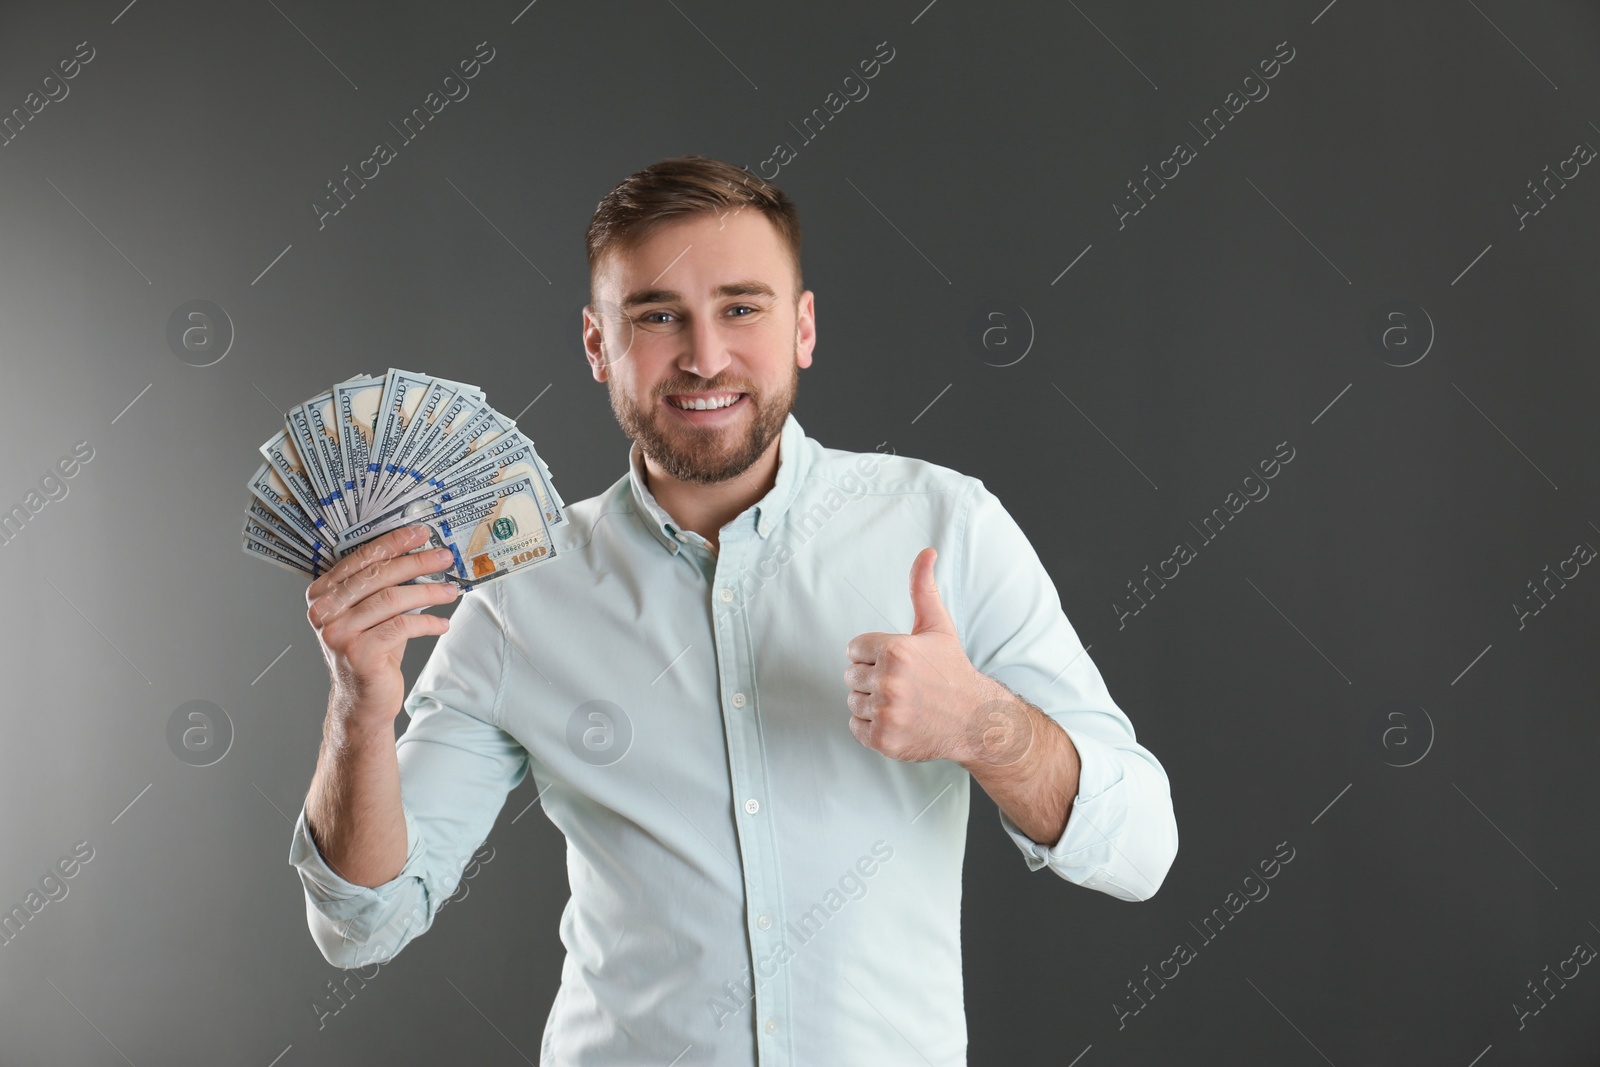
<point x="703" y="456"/>
<point x="700" y="466"/>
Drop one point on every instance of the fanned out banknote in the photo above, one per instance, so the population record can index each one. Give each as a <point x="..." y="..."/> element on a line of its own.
<point x="373" y="454"/>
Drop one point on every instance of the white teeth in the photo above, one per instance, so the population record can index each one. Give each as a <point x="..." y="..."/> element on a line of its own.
<point x="701" y="404"/>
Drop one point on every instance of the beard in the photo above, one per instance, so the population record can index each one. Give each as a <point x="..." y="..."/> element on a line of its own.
<point x="696" y="454"/>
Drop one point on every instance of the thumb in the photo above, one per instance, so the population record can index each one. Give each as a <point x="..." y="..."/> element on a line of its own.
<point x="928" y="610"/>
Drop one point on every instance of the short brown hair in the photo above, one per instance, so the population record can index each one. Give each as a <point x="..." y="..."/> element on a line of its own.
<point x="681" y="188"/>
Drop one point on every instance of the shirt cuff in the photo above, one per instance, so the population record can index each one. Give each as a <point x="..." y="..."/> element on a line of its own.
<point x="1084" y="851"/>
<point x="354" y="908"/>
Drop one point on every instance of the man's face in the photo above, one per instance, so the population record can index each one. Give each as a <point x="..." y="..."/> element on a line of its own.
<point x="703" y="310"/>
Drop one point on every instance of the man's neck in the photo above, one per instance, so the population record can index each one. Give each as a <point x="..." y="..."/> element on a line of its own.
<point x="705" y="509"/>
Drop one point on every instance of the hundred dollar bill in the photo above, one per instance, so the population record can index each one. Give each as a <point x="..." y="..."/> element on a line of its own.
<point x="266" y="552"/>
<point x="509" y="456"/>
<point x="463" y="387"/>
<point x="268" y="491"/>
<point x="495" y="532"/>
<point x="492" y="533"/>
<point x="357" y="404"/>
<point x="499" y="424"/>
<point x="303" y="437"/>
<point x="477" y="431"/>
<point x="316" y="423"/>
<point x="439" y="411"/>
<point x="555" y="494"/>
<point x="255" y="531"/>
<point x="402" y="393"/>
<point x="543" y="487"/>
<point x="553" y="504"/>
<point x="263" y="525"/>
<point x="430" y="406"/>
<point x="280" y="452"/>
<point x="444" y="405"/>
<point x="461" y="423"/>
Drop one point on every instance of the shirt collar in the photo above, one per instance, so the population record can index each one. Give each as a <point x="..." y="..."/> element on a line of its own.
<point x="768" y="511"/>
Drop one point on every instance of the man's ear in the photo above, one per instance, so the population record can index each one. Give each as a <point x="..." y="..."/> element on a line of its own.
<point x="593" y="343"/>
<point x="805" y="327"/>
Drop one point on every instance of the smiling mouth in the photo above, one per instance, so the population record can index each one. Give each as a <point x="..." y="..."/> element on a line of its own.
<point x="703" y="401"/>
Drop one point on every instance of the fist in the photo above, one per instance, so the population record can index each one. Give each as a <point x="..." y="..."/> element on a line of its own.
<point x="917" y="696"/>
<point x="367" y="607"/>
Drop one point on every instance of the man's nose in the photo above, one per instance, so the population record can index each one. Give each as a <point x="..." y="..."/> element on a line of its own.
<point x="706" y="352"/>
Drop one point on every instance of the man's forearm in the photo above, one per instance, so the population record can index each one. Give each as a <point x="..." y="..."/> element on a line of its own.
<point x="1029" y="767"/>
<point x="353" y="807"/>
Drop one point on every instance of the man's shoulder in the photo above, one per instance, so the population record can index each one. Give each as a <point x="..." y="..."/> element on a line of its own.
<point x="585" y="516"/>
<point x="883" y="470"/>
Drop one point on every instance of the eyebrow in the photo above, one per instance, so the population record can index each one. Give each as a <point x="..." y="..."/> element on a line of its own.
<point x="666" y="296"/>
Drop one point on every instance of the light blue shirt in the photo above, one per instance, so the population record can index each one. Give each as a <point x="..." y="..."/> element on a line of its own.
<point x="749" y="884"/>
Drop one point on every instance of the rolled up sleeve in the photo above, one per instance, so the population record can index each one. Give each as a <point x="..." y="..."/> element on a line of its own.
<point x="1122" y="836"/>
<point x="456" y="767"/>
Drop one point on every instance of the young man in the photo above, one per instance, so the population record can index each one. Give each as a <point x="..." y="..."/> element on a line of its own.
<point x="753" y="688"/>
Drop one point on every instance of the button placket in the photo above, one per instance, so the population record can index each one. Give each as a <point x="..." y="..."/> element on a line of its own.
<point x="747" y="768"/>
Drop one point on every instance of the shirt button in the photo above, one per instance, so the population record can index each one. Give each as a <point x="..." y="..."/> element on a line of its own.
<point x="738" y="700"/>
<point x="752" y="805"/>
<point x="772" y="1026"/>
<point x="764" y="922"/>
<point x="727" y="595"/>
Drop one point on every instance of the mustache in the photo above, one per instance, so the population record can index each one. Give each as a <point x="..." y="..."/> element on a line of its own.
<point x="703" y="386"/>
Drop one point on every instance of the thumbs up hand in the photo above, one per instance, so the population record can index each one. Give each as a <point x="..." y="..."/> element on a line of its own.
<point x="916" y="696"/>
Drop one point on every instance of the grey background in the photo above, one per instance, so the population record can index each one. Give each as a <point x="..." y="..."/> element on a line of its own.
<point x="1233" y="313"/>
